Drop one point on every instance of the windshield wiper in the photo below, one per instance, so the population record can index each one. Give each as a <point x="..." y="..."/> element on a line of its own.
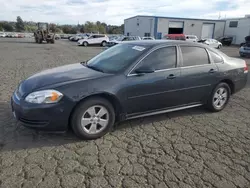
<point x="94" y="68"/>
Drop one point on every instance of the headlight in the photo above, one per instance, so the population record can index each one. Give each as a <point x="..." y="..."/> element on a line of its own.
<point x="44" y="96"/>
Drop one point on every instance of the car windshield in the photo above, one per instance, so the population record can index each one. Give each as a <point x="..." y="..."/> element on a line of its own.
<point x="120" y="38"/>
<point x="116" y="58"/>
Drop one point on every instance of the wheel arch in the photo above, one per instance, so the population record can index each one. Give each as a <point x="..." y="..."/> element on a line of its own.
<point x="230" y="84"/>
<point x="114" y="101"/>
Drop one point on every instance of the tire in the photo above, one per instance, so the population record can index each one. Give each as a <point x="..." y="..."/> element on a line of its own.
<point x="85" y="44"/>
<point x="223" y="91"/>
<point x="84" y="110"/>
<point x="219" y="47"/>
<point x="52" y="41"/>
<point x="104" y="43"/>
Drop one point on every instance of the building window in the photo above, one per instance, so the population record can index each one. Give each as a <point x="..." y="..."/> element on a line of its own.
<point x="127" y="34"/>
<point x="146" y="34"/>
<point x="233" y="24"/>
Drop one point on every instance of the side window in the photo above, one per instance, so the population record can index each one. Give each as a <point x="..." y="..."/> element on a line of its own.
<point x="194" y="56"/>
<point x="216" y="58"/>
<point x="163" y="58"/>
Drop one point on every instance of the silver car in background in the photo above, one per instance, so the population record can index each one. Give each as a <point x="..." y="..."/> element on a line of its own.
<point x="245" y="50"/>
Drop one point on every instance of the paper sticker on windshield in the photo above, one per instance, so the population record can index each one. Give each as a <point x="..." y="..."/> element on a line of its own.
<point x="139" y="48"/>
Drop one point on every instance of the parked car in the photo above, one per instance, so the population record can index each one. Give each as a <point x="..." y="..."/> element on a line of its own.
<point x="148" y="38"/>
<point x="12" y="35"/>
<point x="122" y="39"/>
<point x="20" y="35"/>
<point x="130" y="80"/>
<point x="225" y="40"/>
<point x="245" y="50"/>
<point x="94" y="39"/>
<point x="247" y="40"/>
<point x="212" y="42"/>
<point x="175" y="37"/>
<point x="57" y="37"/>
<point x="79" y="37"/>
<point x="191" y="38"/>
<point x="2" y="34"/>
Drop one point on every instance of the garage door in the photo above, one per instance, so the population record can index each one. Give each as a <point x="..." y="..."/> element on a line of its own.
<point x="175" y="27"/>
<point x="175" y="24"/>
<point x="207" y="31"/>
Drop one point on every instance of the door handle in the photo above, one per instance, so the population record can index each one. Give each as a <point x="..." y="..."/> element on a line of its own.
<point x="171" y="76"/>
<point x="212" y="71"/>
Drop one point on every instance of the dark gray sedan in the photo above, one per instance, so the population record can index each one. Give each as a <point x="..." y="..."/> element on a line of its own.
<point x="129" y="80"/>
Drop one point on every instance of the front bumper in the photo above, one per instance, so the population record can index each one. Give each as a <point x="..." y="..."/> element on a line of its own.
<point x="45" y="117"/>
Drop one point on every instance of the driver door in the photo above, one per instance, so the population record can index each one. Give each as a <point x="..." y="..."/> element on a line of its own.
<point x="157" y="90"/>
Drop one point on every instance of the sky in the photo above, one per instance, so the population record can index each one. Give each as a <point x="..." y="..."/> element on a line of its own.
<point x="115" y="11"/>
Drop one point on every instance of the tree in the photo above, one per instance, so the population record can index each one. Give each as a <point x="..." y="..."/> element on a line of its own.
<point x="7" y="27"/>
<point x="52" y="27"/>
<point x="82" y="29"/>
<point x="30" y="28"/>
<point x="66" y="29"/>
<point x="19" y="24"/>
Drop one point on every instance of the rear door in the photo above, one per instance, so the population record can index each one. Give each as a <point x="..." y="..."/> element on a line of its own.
<point x="99" y="39"/>
<point x="198" y="74"/>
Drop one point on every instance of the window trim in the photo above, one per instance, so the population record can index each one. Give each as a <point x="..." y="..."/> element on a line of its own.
<point x="233" y="21"/>
<point x="208" y="55"/>
<point x="151" y="51"/>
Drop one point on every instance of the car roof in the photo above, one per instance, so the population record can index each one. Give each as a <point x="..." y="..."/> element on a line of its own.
<point x="163" y="42"/>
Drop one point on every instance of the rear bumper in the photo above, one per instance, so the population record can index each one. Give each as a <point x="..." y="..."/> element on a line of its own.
<point x="46" y="117"/>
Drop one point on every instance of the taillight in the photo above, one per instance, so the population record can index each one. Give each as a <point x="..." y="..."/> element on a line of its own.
<point x="245" y="68"/>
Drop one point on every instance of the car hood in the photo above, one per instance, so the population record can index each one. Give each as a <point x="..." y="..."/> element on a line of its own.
<point x="58" y="75"/>
<point x="115" y="41"/>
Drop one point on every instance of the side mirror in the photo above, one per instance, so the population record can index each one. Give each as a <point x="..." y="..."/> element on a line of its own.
<point x="144" y="70"/>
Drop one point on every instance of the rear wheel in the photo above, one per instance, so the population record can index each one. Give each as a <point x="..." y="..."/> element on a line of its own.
<point x="93" y="118"/>
<point x="219" y="97"/>
<point x="219" y="46"/>
<point x="85" y="44"/>
<point x="104" y="43"/>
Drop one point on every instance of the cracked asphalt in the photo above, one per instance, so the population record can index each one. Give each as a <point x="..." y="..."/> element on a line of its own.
<point x="185" y="149"/>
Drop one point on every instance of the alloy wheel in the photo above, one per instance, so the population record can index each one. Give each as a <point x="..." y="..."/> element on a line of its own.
<point x="95" y="119"/>
<point x="220" y="97"/>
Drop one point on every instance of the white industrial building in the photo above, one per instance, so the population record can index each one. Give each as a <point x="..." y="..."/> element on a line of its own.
<point x="158" y="27"/>
<point x="238" y="28"/>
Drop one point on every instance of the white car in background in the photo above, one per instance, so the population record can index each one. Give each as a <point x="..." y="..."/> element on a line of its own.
<point x="2" y="34"/>
<point x="148" y="38"/>
<point x="94" y="39"/>
<point x="191" y="38"/>
<point x="213" y="43"/>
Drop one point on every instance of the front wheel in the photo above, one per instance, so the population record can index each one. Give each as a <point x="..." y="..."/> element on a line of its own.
<point x="85" y="44"/>
<point x="93" y="118"/>
<point x="219" y="97"/>
<point x="219" y="46"/>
